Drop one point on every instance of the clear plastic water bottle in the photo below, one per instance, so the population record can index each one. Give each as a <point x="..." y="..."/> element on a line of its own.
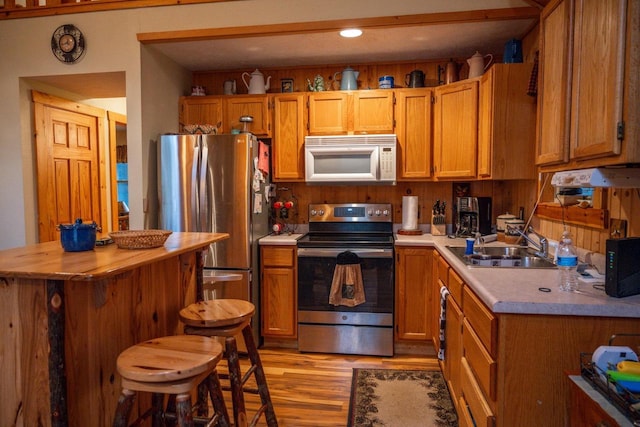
<point x="567" y="264"/>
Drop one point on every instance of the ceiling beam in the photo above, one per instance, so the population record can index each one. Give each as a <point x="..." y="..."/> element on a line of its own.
<point x="333" y="25"/>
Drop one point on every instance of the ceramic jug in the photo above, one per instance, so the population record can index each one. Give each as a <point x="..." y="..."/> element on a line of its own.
<point x="415" y="79"/>
<point x="349" y="79"/>
<point x="256" y="83"/>
<point x="477" y="64"/>
<point x="229" y="87"/>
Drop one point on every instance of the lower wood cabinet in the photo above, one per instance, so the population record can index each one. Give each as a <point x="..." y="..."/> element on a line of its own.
<point x="279" y="296"/>
<point x="413" y="296"/>
<point x="586" y="412"/>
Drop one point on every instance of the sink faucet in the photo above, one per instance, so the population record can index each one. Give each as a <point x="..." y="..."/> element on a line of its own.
<point x="542" y="247"/>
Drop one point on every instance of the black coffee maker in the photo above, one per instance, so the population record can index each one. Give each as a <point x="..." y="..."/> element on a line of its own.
<point x="473" y="215"/>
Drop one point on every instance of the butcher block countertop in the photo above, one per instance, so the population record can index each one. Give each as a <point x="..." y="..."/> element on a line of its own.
<point x="49" y="261"/>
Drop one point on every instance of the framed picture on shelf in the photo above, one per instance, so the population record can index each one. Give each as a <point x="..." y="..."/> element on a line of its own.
<point x="286" y="85"/>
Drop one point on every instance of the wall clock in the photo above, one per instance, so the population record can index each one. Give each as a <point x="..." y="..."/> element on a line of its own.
<point x="67" y="43"/>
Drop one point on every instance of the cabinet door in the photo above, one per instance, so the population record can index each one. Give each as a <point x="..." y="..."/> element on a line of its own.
<point x="278" y="292"/>
<point x="506" y="125"/>
<point x="413" y="129"/>
<point x="288" y="141"/>
<point x="456" y="130"/>
<point x="372" y="111"/>
<point x="598" y="76"/>
<point x="413" y="296"/>
<point x="554" y="82"/>
<point x="256" y="106"/>
<point x="328" y="113"/>
<point x="201" y="110"/>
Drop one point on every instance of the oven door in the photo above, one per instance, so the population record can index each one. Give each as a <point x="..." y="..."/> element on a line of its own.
<point x="364" y="329"/>
<point x="315" y="275"/>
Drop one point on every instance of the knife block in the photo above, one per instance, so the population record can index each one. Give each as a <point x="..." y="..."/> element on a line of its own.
<point x="438" y="225"/>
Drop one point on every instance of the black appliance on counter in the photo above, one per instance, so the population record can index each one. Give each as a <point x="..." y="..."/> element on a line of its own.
<point x="622" y="270"/>
<point x="367" y="231"/>
<point x="473" y="215"/>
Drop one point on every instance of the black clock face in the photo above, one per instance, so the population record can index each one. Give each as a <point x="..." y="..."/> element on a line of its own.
<point x="67" y="43"/>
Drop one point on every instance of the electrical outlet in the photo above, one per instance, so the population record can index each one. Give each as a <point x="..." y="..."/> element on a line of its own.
<point x="617" y="228"/>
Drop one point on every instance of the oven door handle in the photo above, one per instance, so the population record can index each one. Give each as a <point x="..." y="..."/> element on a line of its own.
<point x="332" y="253"/>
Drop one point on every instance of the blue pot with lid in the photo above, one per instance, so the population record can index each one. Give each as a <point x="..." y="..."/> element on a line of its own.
<point x="78" y="236"/>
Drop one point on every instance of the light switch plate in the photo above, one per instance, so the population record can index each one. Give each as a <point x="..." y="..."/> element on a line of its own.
<point x="617" y="228"/>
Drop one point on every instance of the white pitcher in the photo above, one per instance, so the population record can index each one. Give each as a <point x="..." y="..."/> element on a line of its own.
<point x="256" y="83"/>
<point x="476" y="63"/>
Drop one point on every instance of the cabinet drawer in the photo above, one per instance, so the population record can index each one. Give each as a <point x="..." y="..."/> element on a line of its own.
<point x="476" y="403"/>
<point x="482" y="320"/>
<point x="464" y="416"/>
<point x="455" y="286"/>
<point x="278" y="256"/>
<point x="480" y="361"/>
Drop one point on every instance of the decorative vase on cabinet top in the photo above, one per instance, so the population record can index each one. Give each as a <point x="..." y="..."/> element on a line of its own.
<point x="477" y="64"/>
<point x="256" y="83"/>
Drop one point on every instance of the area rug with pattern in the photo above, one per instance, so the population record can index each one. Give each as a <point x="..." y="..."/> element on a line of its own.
<point x="407" y="398"/>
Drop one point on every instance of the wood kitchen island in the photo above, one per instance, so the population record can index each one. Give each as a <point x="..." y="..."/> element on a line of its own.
<point x="67" y="315"/>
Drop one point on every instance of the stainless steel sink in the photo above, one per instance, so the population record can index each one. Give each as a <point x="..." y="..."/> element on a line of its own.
<point x="503" y="257"/>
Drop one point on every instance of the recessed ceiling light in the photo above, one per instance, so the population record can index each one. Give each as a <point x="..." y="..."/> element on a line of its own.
<point x="351" y="32"/>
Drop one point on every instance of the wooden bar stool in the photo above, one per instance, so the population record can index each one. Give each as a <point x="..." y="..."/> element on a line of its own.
<point x="173" y="365"/>
<point x="226" y="318"/>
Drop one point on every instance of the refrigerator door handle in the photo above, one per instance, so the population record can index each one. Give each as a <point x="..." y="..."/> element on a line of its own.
<point x="195" y="167"/>
<point x="202" y="186"/>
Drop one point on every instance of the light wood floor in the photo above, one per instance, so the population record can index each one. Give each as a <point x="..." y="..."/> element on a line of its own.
<point x="313" y="389"/>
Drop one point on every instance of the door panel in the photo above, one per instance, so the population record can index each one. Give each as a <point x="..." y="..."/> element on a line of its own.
<point x="68" y="155"/>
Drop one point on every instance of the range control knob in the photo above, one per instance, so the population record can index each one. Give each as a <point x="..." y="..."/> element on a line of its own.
<point x="321" y="212"/>
<point x="377" y="212"/>
<point x="385" y="212"/>
<point x="370" y="212"/>
<point x="313" y="212"/>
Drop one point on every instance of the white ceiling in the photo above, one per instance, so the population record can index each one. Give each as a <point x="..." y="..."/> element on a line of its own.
<point x="405" y="43"/>
<point x="419" y="38"/>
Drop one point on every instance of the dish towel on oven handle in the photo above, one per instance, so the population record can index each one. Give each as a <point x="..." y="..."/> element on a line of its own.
<point x="444" y="292"/>
<point x="347" y="287"/>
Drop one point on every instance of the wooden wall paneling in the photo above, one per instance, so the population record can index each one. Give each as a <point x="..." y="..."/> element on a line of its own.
<point x="368" y="78"/>
<point x="633" y="229"/>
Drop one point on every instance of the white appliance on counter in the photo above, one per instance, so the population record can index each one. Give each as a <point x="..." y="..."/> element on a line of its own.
<point x="205" y="183"/>
<point x="598" y="177"/>
<point x="350" y="159"/>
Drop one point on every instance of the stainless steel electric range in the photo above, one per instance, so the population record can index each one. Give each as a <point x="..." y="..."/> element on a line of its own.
<point x="365" y="230"/>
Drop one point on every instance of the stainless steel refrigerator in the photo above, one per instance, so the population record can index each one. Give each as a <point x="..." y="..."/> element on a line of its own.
<point x="208" y="183"/>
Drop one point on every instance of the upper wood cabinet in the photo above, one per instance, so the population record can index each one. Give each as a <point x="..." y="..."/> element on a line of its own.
<point x="288" y="136"/>
<point x="455" y="130"/>
<point x="257" y="106"/>
<point x="226" y="110"/>
<point x="351" y="112"/>
<point x="413" y="114"/>
<point x="200" y="110"/>
<point x="506" y="127"/>
<point x="589" y="101"/>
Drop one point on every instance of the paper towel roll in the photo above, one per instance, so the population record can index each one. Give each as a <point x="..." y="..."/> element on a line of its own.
<point x="409" y="212"/>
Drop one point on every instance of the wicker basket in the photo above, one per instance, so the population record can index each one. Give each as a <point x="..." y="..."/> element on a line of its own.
<point x="140" y="239"/>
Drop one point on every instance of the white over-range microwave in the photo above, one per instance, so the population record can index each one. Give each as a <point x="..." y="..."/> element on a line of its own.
<point x="350" y="159"/>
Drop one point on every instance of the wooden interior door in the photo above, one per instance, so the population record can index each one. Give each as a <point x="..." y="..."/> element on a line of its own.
<point x="69" y="164"/>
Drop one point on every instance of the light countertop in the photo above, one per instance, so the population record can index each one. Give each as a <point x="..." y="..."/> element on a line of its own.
<point x="516" y="290"/>
<point x="280" y="239"/>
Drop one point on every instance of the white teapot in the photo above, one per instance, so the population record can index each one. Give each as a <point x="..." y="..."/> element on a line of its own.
<point x="476" y="63"/>
<point x="256" y="83"/>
